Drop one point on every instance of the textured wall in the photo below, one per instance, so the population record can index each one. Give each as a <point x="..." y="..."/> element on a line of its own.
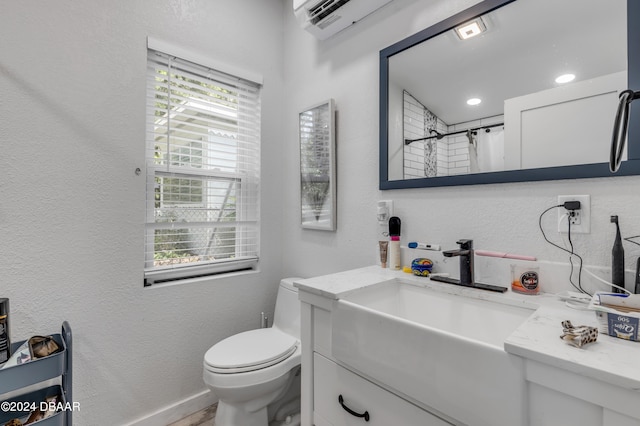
<point x="72" y="131"/>
<point x="498" y="217"/>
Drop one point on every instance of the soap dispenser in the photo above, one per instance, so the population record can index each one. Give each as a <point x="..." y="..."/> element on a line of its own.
<point x="617" y="259"/>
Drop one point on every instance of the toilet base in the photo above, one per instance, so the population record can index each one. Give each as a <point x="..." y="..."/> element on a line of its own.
<point x="228" y="415"/>
<point x="271" y="409"/>
<point x="292" y="420"/>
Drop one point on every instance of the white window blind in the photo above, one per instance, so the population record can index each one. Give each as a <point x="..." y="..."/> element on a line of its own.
<point x="203" y="169"/>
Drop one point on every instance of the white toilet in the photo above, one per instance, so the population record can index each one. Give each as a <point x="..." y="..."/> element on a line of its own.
<point x="256" y="374"/>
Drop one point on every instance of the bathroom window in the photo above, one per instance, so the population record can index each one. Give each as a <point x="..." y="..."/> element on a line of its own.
<point x="203" y="169"/>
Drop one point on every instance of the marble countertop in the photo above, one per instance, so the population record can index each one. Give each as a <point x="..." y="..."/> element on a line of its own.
<point x="612" y="360"/>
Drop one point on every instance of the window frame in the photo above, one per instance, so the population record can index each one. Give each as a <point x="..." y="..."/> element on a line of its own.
<point x="245" y="186"/>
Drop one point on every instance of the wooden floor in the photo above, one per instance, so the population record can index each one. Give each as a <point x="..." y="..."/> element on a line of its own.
<point x="201" y="418"/>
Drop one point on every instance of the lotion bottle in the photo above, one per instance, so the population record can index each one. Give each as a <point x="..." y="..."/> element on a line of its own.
<point x="394" y="244"/>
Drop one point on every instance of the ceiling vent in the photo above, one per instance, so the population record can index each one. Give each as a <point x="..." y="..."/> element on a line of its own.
<point x="324" y="18"/>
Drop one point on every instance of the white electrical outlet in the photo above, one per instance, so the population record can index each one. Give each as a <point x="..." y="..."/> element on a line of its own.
<point x="384" y="212"/>
<point x="580" y="219"/>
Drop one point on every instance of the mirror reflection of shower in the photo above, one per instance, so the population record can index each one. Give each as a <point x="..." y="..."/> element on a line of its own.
<point x="434" y="148"/>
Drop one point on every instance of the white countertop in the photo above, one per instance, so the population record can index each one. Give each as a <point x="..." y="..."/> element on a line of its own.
<point x="612" y="360"/>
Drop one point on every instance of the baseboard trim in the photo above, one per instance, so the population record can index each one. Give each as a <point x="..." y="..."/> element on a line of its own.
<point x="177" y="411"/>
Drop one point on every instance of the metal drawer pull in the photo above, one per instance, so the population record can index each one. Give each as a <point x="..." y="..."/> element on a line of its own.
<point x="364" y="415"/>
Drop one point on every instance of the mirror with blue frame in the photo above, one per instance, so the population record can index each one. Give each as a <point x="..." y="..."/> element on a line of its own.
<point x="509" y="91"/>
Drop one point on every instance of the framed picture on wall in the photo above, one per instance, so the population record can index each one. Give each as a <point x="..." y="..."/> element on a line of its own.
<point x="318" y="167"/>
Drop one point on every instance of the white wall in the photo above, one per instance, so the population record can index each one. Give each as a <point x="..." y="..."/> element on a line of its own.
<point x="497" y="217"/>
<point x="72" y="131"/>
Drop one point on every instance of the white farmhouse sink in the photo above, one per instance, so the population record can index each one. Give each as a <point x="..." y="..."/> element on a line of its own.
<point x="477" y="319"/>
<point x="443" y="350"/>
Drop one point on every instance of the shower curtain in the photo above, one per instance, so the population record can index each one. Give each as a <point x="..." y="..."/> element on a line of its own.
<point x="490" y="148"/>
<point x="474" y="167"/>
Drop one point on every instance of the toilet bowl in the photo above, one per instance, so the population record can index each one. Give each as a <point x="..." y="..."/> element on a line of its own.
<point x="256" y="374"/>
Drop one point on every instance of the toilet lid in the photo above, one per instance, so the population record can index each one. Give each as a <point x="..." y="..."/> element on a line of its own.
<point x="250" y="350"/>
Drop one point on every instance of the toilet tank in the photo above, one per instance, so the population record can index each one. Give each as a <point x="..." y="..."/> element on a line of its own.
<point x="287" y="312"/>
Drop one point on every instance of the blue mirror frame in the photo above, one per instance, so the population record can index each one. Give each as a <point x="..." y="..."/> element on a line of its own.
<point x="629" y="167"/>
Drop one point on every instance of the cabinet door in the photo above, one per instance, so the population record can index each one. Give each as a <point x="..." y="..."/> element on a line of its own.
<point x="337" y="390"/>
<point x="612" y="418"/>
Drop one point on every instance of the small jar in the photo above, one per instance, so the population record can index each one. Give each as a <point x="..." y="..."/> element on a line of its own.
<point x="525" y="279"/>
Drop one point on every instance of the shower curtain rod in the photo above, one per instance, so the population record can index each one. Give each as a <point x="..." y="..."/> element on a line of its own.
<point x="442" y="135"/>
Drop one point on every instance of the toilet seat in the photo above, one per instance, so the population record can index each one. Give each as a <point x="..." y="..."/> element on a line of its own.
<point x="249" y="351"/>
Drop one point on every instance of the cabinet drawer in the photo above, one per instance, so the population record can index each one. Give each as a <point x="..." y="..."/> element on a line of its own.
<point x="330" y="381"/>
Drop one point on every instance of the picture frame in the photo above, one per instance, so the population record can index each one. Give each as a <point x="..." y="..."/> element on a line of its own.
<point x="316" y="126"/>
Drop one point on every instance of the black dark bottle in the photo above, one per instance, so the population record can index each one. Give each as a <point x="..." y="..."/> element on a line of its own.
<point x="617" y="259"/>
<point x="637" y="289"/>
<point x="5" y="340"/>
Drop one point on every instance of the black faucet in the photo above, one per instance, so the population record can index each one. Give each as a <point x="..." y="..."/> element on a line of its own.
<point x="466" y="260"/>
<point x="466" y="268"/>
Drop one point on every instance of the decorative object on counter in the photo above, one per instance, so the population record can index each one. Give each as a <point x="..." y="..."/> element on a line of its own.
<point x="5" y="334"/>
<point x="421" y="267"/>
<point x="383" y="247"/>
<point x="525" y="279"/>
<point x="394" y="246"/>
<point x="578" y="336"/>
<point x="618" y="314"/>
<point x="617" y="259"/>
<point x="423" y="246"/>
<point x="489" y="253"/>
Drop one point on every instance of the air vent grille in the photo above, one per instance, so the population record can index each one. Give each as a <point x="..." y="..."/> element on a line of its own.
<point x="324" y="9"/>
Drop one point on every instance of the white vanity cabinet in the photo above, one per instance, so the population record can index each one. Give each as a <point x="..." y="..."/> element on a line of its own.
<point x="336" y="390"/>
<point x="560" y="397"/>
<point x="355" y="345"/>
<point x="324" y="381"/>
<point x="597" y="385"/>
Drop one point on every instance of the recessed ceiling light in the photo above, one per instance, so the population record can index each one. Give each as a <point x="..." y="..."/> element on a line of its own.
<point x="565" y="78"/>
<point x="474" y="101"/>
<point x="471" y="29"/>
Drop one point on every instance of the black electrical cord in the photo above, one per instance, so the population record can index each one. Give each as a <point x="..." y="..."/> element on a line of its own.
<point x="571" y="252"/>
<point x="632" y="242"/>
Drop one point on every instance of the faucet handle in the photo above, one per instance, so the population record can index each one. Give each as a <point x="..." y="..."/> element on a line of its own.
<point x="465" y="244"/>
